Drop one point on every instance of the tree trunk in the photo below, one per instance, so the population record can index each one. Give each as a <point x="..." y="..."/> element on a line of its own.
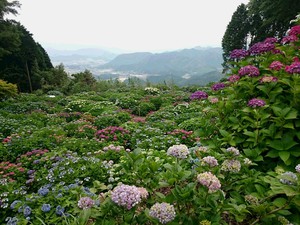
<point x="29" y="79"/>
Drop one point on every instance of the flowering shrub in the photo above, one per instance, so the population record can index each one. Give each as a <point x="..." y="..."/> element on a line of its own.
<point x="151" y="90"/>
<point x="199" y="95"/>
<point x="243" y="168"/>
<point x="113" y="134"/>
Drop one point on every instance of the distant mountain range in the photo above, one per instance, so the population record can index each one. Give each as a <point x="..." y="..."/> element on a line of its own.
<point x="183" y="67"/>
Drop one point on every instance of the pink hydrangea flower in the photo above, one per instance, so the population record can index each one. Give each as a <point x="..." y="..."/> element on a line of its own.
<point x="233" y="78"/>
<point x="276" y="65"/>
<point x="210" y="181"/>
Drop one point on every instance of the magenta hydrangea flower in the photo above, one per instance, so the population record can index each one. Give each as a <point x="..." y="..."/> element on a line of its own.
<point x="218" y="86"/>
<point x="164" y="212"/>
<point x="289" y="39"/>
<point x="199" y="95"/>
<point x="126" y="196"/>
<point x="271" y="40"/>
<point x="261" y="47"/>
<point x="210" y="181"/>
<point x="249" y="70"/>
<point x="85" y="203"/>
<point x="233" y="78"/>
<point x="238" y="54"/>
<point x="293" y="68"/>
<point x="255" y="102"/>
<point x="295" y="30"/>
<point x="276" y="65"/>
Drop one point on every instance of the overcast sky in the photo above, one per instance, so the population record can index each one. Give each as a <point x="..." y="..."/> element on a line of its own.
<point x="130" y="25"/>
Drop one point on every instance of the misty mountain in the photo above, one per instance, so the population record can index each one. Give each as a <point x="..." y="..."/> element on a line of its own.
<point x="183" y="67"/>
<point x="175" y="62"/>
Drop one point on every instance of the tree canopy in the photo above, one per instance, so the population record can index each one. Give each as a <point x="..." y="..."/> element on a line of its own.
<point x="256" y="21"/>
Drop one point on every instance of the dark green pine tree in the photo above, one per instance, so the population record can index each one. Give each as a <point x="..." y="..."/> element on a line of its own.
<point x="24" y="65"/>
<point x="236" y="34"/>
<point x="9" y="36"/>
<point x="269" y="18"/>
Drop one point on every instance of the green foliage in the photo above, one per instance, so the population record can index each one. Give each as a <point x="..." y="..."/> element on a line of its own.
<point x="7" y="89"/>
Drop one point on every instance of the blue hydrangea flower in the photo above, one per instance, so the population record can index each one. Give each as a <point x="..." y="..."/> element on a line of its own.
<point x="27" y="211"/>
<point x="14" y="203"/>
<point x="43" y="191"/>
<point x="59" y="210"/>
<point x="46" y="207"/>
<point x="11" y="220"/>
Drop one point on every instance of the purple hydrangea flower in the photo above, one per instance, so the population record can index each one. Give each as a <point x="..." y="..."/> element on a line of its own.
<point x="199" y="95"/>
<point x="164" y="212"/>
<point x="255" y="102"/>
<point x="210" y="181"/>
<point x="126" y="196"/>
<point x="271" y="40"/>
<point x="178" y="151"/>
<point x="218" y="86"/>
<point x="238" y="54"/>
<point x="85" y="203"/>
<point x="276" y="65"/>
<point x="233" y="78"/>
<point x="293" y="68"/>
<point x="231" y="165"/>
<point x="261" y="47"/>
<point x="249" y="70"/>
